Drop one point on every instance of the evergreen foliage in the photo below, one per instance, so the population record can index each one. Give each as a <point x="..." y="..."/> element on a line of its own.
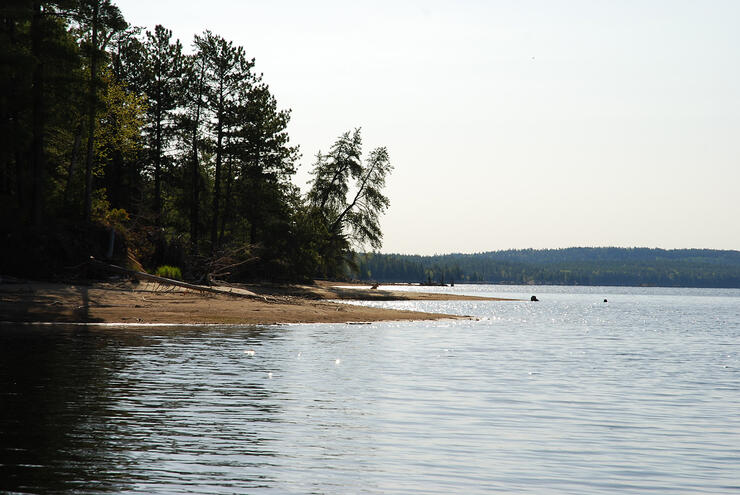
<point x="183" y="158"/>
<point x="348" y="216"/>
<point x="571" y="266"/>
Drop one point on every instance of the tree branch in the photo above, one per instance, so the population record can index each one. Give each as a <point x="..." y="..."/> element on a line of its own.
<point x="354" y="201"/>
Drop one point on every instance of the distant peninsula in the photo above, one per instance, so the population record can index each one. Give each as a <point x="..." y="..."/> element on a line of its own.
<point x="568" y="266"/>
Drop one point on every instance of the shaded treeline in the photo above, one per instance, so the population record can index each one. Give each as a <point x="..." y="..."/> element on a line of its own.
<point x="571" y="266"/>
<point x="120" y="142"/>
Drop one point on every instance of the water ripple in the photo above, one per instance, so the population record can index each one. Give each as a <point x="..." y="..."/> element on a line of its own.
<point x="567" y="395"/>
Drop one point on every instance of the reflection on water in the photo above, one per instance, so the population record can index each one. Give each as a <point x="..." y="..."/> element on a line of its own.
<point x="96" y="410"/>
<point x="53" y="407"/>
<point x="568" y="395"/>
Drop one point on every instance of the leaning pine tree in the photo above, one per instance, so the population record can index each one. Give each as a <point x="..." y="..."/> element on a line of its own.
<point x="348" y="215"/>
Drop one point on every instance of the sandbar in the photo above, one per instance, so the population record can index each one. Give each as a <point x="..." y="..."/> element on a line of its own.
<point x="146" y="303"/>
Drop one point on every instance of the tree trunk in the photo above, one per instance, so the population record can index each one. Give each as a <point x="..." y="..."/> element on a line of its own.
<point x="227" y="200"/>
<point x="73" y="162"/>
<point x="92" y="104"/>
<point x="255" y="179"/>
<point x="20" y="178"/>
<point x="195" y="170"/>
<point x="158" y="166"/>
<point x="37" y="139"/>
<point x="217" y="177"/>
<point x="116" y="180"/>
<point x="15" y="108"/>
<point x="253" y="230"/>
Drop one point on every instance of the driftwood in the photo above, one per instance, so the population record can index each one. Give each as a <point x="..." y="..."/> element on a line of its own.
<point x="177" y="283"/>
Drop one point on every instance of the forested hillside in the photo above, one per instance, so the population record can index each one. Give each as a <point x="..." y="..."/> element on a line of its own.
<point x="130" y="145"/>
<point x="572" y="266"/>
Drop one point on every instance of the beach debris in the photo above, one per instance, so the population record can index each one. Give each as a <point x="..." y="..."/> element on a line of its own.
<point x="337" y="361"/>
<point x="168" y="281"/>
<point x="249" y="352"/>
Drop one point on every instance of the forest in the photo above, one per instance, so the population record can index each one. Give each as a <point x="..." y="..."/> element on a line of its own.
<point x="570" y="266"/>
<point x="126" y="144"/>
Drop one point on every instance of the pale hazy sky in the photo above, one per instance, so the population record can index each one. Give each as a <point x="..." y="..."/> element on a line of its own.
<point x="511" y="124"/>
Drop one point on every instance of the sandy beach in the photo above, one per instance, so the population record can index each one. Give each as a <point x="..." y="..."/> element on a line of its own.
<point x="127" y="302"/>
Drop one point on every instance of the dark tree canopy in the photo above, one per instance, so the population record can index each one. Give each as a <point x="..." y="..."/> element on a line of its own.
<point x="571" y="266"/>
<point x="118" y="142"/>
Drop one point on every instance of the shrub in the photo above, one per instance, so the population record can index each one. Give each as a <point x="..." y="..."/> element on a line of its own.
<point x="168" y="271"/>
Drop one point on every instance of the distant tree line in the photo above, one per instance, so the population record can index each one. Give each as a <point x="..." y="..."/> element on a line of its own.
<point x="571" y="266"/>
<point x="118" y="142"/>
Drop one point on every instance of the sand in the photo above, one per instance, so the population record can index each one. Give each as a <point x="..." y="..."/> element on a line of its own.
<point x="127" y="302"/>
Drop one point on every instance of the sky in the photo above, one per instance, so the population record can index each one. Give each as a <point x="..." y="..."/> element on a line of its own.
<point x="510" y="124"/>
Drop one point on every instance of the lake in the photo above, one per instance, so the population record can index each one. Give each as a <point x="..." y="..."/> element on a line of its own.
<point x="569" y="395"/>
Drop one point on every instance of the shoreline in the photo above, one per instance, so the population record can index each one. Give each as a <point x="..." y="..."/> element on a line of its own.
<point x="148" y="303"/>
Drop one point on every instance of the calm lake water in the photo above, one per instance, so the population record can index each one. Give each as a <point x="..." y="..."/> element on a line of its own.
<point x="567" y="395"/>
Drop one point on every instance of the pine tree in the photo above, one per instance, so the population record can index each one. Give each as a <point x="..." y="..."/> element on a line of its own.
<point x="161" y="79"/>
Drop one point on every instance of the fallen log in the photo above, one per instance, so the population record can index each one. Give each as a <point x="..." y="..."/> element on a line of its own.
<point x="177" y="283"/>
